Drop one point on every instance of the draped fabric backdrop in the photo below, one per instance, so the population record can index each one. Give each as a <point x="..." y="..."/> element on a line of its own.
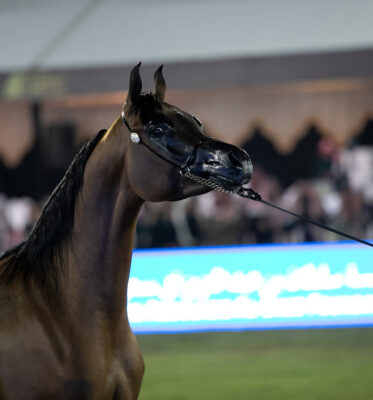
<point x="338" y="108"/>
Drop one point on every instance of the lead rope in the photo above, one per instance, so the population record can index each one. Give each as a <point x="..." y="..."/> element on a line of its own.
<point x="252" y="195"/>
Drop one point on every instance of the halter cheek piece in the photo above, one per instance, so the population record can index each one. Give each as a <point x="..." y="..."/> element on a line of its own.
<point x="183" y="167"/>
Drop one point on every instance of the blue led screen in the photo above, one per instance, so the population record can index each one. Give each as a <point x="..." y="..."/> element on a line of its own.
<point x="251" y="287"/>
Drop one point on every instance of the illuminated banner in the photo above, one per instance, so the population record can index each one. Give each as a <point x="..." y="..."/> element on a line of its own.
<point x="250" y="287"/>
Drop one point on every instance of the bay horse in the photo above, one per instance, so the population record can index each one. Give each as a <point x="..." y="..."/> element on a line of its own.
<point x="64" y="330"/>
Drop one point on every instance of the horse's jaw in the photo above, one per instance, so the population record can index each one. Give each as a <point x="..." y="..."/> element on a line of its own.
<point x="190" y="189"/>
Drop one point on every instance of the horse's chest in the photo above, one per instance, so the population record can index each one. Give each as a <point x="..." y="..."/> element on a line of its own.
<point x="119" y="384"/>
<point x="121" y="372"/>
<point x="39" y="375"/>
<point x="120" y="379"/>
<point x="128" y="368"/>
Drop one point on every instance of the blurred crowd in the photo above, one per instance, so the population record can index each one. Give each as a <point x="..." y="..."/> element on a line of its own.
<point x="224" y="219"/>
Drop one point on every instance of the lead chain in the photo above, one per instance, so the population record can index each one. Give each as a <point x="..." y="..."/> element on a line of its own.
<point x="207" y="182"/>
<point x="211" y="183"/>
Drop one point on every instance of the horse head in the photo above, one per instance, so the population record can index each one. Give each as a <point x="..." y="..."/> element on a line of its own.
<point x="166" y="143"/>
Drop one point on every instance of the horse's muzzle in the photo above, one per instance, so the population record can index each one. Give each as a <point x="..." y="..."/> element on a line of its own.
<point x="225" y="163"/>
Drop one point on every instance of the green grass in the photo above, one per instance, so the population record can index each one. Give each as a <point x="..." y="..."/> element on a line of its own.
<point x="315" y="364"/>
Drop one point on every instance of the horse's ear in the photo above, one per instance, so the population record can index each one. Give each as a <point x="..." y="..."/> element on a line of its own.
<point x="159" y="90"/>
<point x="135" y="87"/>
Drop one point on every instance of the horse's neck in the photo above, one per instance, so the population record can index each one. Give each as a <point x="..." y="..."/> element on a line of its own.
<point x="104" y="230"/>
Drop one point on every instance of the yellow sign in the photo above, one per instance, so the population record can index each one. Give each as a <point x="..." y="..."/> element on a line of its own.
<point x="19" y="86"/>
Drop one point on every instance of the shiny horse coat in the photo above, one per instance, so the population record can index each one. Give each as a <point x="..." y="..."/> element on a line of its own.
<point x="64" y="330"/>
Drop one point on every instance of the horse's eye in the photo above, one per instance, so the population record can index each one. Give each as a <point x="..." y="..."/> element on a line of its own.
<point x="157" y="131"/>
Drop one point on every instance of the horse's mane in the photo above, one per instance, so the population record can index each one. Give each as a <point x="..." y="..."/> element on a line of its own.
<point x="41" y="256"/>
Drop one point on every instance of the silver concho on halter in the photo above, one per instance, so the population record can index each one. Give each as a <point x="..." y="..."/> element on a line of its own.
<point x="135" y="137"/>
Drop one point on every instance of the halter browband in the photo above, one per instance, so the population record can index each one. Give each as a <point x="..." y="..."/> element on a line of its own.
<point x="135" y="138"/>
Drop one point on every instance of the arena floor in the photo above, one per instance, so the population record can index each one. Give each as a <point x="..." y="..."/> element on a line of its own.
<point x="261" y="365"/>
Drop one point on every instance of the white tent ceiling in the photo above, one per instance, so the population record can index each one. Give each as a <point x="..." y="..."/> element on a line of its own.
<point x="51" y="34"/>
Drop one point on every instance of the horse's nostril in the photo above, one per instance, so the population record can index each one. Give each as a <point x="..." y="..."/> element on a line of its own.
<point x="234" y="159"/>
